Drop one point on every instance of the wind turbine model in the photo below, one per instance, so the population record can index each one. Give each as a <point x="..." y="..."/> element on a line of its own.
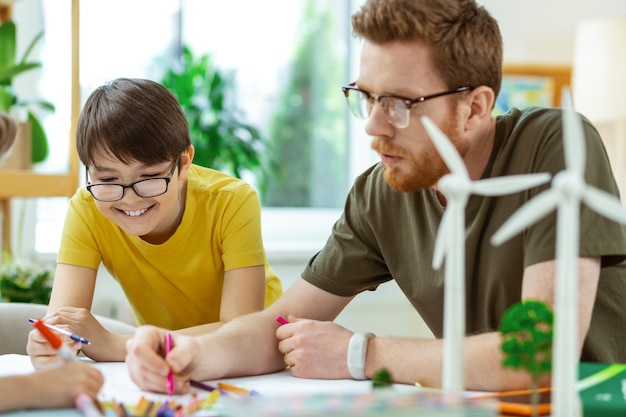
<point x="568" y="191"/>
<point x="457" y="187"/>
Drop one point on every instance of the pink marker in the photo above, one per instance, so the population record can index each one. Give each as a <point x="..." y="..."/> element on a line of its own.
<point x="281" y="320"/>
<point x="170" y="376"/>
<point x="87" y="406"/>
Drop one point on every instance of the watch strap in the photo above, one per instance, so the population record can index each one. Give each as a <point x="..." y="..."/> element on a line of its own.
<point x="357" y="352"/>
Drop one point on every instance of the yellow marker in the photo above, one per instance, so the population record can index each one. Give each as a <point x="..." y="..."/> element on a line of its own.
<point x="143" y="406"/>
<point x="234" y="388"/>
<point x="210" y="400"/>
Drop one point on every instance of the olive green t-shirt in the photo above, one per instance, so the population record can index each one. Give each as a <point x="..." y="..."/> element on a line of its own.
<point x="386" y="235"/>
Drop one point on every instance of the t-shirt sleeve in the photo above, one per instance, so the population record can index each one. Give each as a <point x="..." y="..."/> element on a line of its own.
<point x="242" y="240"/>
<point x="350" y="262"/>
<point x="78" y="244"/>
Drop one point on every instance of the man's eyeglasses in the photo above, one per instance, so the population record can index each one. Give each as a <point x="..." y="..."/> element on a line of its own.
<point x="397" y="108"/>
<point x="149" y="187"/>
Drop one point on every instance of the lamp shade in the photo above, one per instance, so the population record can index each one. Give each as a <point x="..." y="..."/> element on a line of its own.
<point x="599" y="69"/>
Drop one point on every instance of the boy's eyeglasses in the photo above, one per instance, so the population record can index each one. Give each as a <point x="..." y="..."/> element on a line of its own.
<point x="149" y="187"/>
<point x="397" y="108"/>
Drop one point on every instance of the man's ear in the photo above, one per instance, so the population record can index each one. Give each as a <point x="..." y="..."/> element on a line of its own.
<point x="186" y="158"/>
<point x="477" y="106"/>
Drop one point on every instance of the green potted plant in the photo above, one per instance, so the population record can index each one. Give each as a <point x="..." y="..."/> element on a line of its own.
<point x="10" y="68"/>
<point x="23" y="282"/>
<point x="221" y="138"/>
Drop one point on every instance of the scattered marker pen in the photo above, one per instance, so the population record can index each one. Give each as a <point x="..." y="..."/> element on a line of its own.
<point x="72" y="336"/>
<point x="225" y="386"/>
<point x="87" y="406"/>
<point x="202" y="385"/>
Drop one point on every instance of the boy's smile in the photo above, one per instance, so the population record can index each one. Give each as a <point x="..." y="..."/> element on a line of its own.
<point x="135" y="213"/>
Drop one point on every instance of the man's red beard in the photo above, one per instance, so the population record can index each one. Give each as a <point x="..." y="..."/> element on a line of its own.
<point x="418" y="172"/>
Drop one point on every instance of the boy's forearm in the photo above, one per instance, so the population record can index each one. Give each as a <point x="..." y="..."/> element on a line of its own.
<point x="226" y="354"/>
<point x="112" y="351"/>
<point x="200" y="330"/>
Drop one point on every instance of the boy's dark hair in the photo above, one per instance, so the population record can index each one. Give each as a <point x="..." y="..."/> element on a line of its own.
<point x="465" y="39"/>
<point x="133" y="120"/>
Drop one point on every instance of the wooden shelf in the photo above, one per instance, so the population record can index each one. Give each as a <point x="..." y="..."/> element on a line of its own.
<point x="16" y="183"/>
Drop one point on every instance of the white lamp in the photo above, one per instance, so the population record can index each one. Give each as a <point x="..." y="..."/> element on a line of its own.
<point x="599" y="82"/>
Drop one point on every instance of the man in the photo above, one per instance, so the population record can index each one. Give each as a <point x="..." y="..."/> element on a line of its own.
<point x="442" y="59"/>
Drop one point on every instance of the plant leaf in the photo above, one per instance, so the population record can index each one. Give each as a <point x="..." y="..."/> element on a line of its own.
<point x="44" y="104"/>
<point x="8" y="73"/>
<point x="7" y="99"/>
<point x="7" y="44"/>
<point x="31" y="46"/>
<point x="39" y="140"/>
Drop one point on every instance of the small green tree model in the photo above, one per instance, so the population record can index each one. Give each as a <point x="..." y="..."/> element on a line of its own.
<point x="526" y="330"/>
<point x="382" y="379"/>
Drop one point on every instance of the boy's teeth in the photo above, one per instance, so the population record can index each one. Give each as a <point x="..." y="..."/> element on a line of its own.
<point x="135" y="213"/>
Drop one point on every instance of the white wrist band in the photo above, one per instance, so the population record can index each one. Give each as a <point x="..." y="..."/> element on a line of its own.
<point x="357" y="351"/>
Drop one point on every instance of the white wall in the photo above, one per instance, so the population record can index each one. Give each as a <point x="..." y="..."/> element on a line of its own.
<point x="542" y="31"/>
<point x="539" y="31"/>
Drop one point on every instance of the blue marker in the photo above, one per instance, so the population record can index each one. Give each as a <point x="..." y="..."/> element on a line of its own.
<point x="72" y="336"/>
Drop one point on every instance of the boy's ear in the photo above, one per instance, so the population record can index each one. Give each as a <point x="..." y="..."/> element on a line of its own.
<point x="186" y="158"/>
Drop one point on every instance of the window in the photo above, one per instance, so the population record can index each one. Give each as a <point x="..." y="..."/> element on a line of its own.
<point x="289" y="59"/>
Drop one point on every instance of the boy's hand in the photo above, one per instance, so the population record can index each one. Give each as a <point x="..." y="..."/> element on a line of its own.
<point x="146" y="363"/>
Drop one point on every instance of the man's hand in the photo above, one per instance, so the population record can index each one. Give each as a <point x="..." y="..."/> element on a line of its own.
<point x="315" y="349"/>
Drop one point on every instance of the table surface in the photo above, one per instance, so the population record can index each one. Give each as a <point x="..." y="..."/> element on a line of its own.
<point x="275" y="387"/>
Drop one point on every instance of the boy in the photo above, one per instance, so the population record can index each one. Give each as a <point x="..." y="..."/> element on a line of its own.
<point x="183" y="241"/>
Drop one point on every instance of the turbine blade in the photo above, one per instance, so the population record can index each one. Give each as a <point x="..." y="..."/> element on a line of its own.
<point x="446" y="149"/>
<point x="604" y="203"/>
<point x="573" y="135"/>
<point x="534" y="210"/>
<point x="441" y="243"/>
<point x="509" y="184"/>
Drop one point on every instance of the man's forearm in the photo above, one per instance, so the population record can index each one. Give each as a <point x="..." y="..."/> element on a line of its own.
<point x="412" y="360"/>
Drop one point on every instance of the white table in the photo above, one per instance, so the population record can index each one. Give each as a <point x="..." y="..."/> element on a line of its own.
<point x="279" y="386"/>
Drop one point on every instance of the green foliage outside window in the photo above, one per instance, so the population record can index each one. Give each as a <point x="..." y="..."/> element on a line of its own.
<point x="306" y="149"/>
<point x="221" y="137"/>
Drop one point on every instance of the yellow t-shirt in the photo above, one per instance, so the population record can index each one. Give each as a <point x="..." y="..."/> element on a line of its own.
<point x="176" y="284"/>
